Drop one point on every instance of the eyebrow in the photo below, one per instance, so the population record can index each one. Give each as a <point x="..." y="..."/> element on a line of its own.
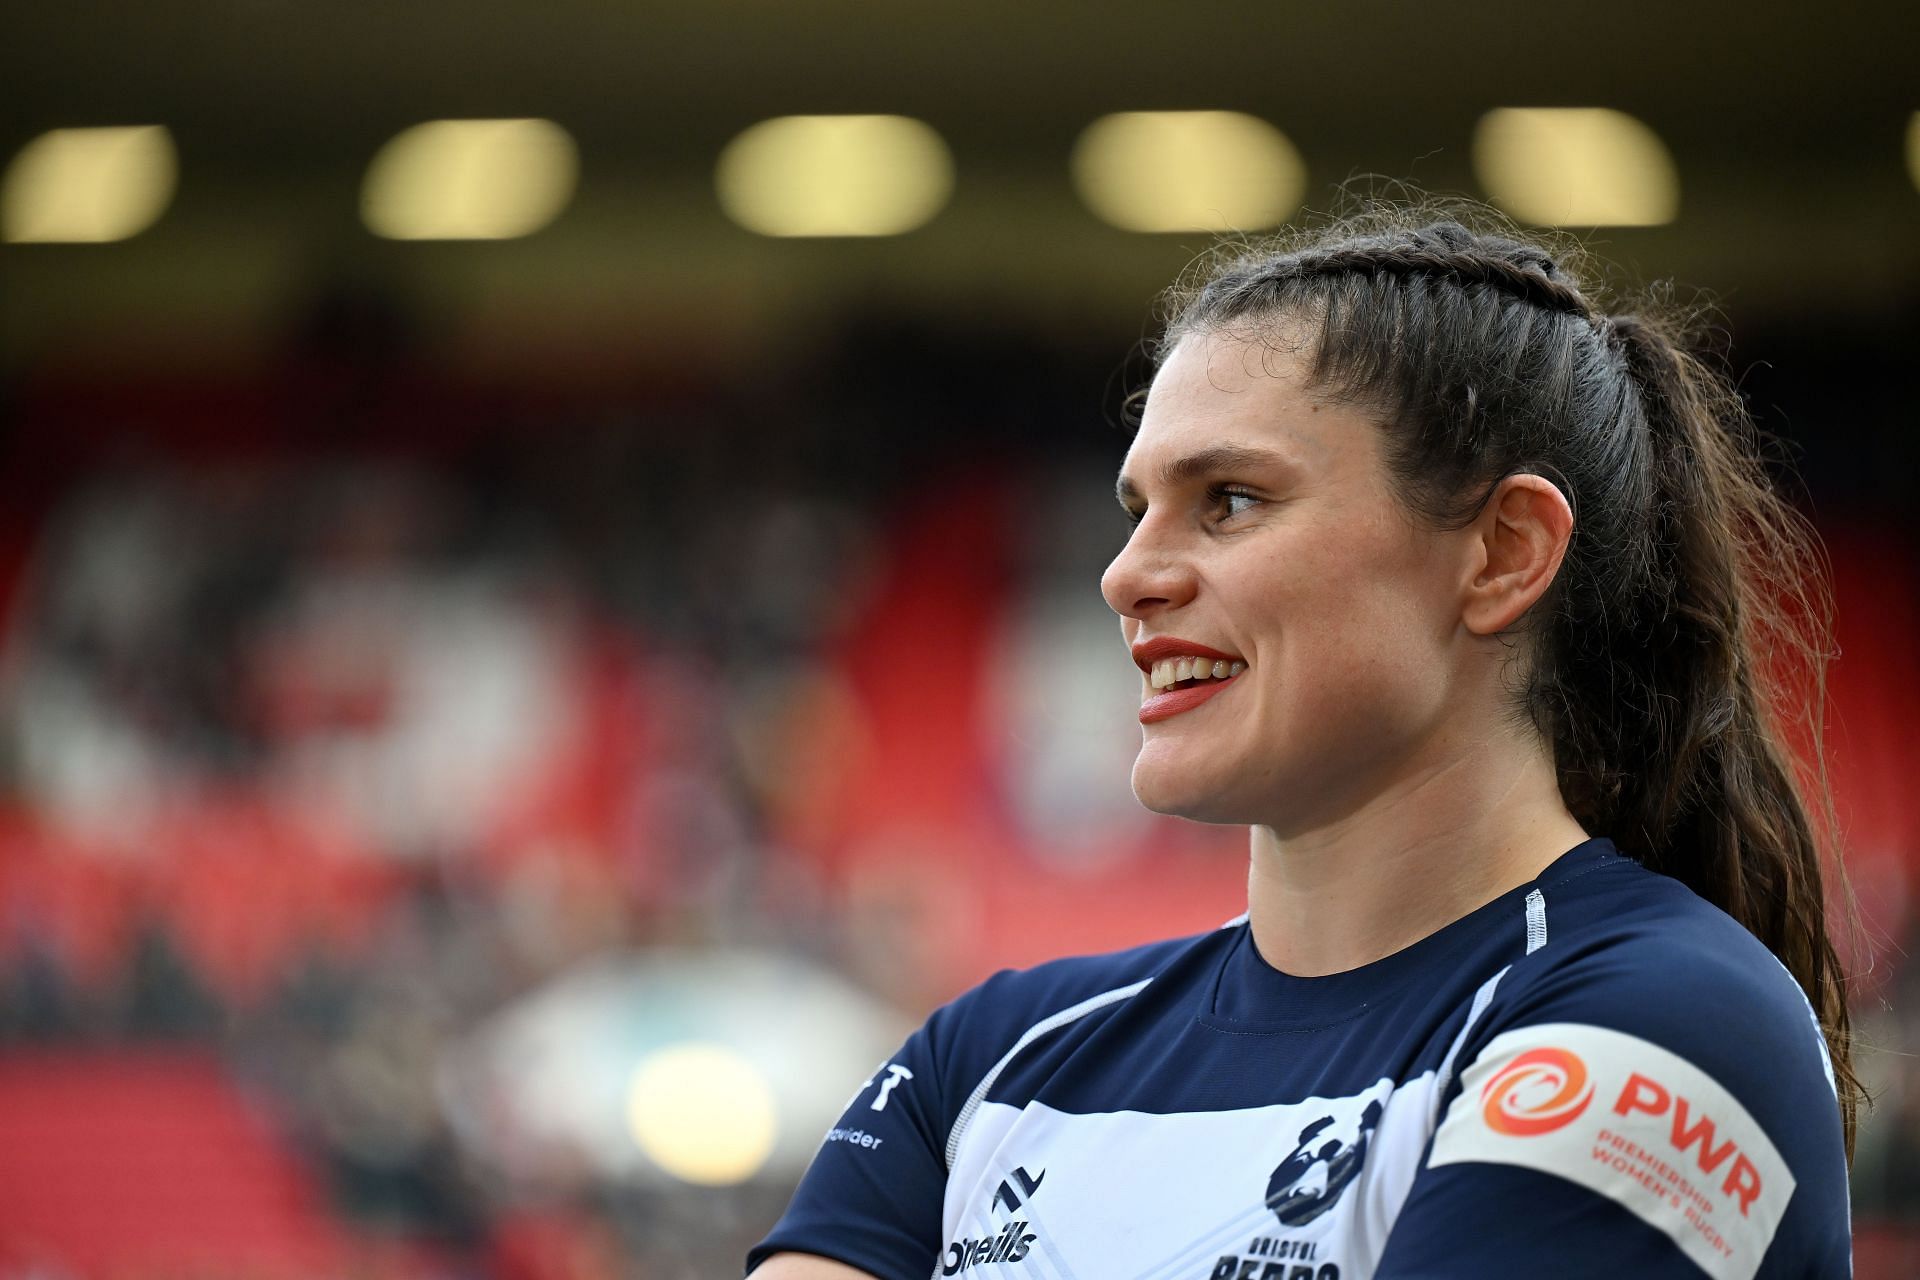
<point x="1214" y="458"/>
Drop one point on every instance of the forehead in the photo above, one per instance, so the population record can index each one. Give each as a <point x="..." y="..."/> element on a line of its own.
<point x="1226" y="397"/>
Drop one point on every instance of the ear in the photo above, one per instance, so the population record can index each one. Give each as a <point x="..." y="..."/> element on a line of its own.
<point x="1519" y="541"/>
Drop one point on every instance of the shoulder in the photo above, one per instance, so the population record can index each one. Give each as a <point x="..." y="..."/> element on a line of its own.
<point x="969" y="1039"/>
<point x="1628" y="949"/>
<point x="1013" y="1002"/>
<point x="1653" y="1051"/>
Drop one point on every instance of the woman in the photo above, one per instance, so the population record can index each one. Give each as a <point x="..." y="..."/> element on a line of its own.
<point x="1453" y="588"/>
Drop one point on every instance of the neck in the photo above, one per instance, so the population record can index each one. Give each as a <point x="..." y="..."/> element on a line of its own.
<point x="1443" y="841"/>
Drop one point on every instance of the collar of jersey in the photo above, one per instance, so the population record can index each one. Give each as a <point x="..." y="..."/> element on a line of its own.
<point x="1249" y="995"/>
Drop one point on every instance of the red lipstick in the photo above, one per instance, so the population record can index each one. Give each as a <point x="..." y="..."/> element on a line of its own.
<point x="1171" y="702"/>
<point x="1162" y="703"/>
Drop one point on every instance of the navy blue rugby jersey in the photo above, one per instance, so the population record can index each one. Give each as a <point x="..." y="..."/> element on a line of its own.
<point x="1596" y="1074"/>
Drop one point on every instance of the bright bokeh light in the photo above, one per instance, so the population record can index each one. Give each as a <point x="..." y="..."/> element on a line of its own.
<point x="88" y="186"/>
<point x="703" y="1113"/>
<point x="1913" y="148"/>
<point x="835" y="176"/>
<point x="1188" y="171"/>
<point x="470" y="180"/>
<point x="1576" y="166"/>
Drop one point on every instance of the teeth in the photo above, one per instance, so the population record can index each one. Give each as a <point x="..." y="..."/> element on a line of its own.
<point x="1169" y="671"/>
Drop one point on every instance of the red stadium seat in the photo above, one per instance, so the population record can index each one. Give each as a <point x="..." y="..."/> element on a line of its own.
<point x="150" y="1163"/>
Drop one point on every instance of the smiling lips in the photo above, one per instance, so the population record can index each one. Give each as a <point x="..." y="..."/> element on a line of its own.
<point x="1182" y="675"/>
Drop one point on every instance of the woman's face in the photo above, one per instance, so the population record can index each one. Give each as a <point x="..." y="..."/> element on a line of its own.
<point x="1269" y="536"/>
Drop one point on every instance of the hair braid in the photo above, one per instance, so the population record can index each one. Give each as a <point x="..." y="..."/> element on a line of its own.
<point x="1449" y="251"/>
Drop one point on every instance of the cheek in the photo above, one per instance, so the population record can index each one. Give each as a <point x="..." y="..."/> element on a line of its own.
<point x="1331" y="676"/>
<point x="1358" y="638"/>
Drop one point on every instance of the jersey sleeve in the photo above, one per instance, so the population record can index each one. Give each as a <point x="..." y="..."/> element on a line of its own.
<point x="872" y="1196"/>
<point x="1664" y="1109"/>
<point x="875" y="1195"/>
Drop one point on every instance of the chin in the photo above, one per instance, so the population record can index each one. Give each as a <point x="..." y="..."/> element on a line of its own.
<point x="1181" y="789"/>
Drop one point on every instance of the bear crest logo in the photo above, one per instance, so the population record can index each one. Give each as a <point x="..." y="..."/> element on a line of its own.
<point x="1311" y="1180"/>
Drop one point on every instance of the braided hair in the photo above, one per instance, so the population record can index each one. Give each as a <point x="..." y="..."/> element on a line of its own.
<point x="1448" y="251"/>
<point x="1657" y="664"/>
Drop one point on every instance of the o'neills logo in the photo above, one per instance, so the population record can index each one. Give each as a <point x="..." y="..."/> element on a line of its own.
<point x="1010" y="1245"/>
<point x="1536" y="1093"/>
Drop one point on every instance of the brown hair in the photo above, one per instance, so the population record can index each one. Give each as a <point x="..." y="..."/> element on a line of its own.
<point x="1685" y="637"/>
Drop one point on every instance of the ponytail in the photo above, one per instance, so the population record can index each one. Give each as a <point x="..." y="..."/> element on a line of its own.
<point x="1733" y="667"/>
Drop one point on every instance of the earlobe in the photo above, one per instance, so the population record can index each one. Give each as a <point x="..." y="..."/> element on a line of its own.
<point x="1521" y="538"/>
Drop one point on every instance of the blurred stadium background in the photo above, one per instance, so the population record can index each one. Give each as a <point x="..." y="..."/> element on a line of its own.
<point x="536" y="646"/>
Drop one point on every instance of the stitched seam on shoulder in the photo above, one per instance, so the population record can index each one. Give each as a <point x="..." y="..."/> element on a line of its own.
<point x="1536" y="921"/>
<point x="1050" y="1023"/>
<point x="1620" y="864"/>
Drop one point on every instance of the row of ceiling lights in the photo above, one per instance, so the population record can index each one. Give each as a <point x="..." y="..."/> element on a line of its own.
<point x="865" y="175"/>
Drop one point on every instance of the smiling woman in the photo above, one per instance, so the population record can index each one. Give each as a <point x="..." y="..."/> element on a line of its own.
<point x="1451" y="588"/>
<point x="1268" y="526"/>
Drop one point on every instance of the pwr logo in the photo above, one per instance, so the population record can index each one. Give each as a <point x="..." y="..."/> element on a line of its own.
<point x="1633" y="1121"/>
<point x="1538" y="1092"/>
<point x="1692" y="1127"/>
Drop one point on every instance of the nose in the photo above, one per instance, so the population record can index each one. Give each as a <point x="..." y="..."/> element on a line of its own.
<point x="1147" y="576"/>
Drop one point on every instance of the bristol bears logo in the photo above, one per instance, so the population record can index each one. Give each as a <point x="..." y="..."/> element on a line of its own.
<point x="1310" y="1181"/>
<point x="1536" y="1093"/>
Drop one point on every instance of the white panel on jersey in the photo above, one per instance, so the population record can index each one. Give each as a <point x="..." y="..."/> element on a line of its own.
<point x="1027" y="1037"/>
<point x="1314" y="1182"/>
<point x="1626" y="1118"/>
<point x="1444" y="1076"/>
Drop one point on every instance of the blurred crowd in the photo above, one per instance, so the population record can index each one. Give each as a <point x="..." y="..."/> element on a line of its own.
<point x="345" y="708"/>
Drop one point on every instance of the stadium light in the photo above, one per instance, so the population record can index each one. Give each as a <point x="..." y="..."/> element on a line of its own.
<point x="469" y="180"/>
<point x="852" y="175"/>
<point x="703" y="1113"/>
<point x="88" y="186"/>
<point x="1187" y="171"/>
<point x="1576" y="166"/>
<point x="1913" y="148"/>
